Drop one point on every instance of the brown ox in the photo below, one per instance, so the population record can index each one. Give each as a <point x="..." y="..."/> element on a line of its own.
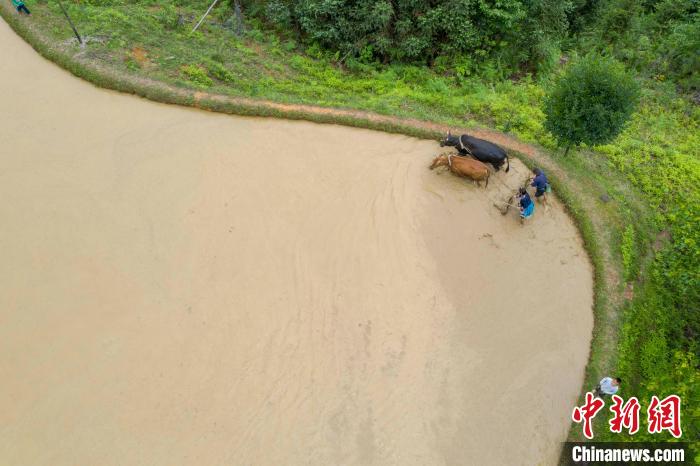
<point x="463" y="166"/>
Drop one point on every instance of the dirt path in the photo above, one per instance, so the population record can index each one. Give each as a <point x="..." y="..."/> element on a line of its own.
<point x="175" y="290"/>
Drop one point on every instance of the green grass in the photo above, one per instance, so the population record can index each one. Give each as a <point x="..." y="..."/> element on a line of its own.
<point x="644" y="243"/>
<point x="263" y="66"/>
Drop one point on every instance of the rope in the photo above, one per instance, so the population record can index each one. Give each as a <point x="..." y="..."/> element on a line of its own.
<point x="464" y="148"/>
<point x="513" y="193"/>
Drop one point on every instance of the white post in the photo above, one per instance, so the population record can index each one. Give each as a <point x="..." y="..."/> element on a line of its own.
<point x="205" y="15"/>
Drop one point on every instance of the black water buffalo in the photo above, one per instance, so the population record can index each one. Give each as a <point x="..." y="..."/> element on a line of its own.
<point x="481" y="150"/>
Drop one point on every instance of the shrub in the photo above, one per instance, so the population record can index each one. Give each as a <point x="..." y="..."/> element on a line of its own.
<point x="680" y="50"/>
<point x="590" y="102"/>
<point x="221" y="73"/>
<point x="278" y="13"/>
<point x="197" y="75"/>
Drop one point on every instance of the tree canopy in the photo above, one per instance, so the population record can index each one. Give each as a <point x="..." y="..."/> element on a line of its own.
<point x="510" y="31"/>
<point x="591" y="102"/>
<point x="658" y="38"/>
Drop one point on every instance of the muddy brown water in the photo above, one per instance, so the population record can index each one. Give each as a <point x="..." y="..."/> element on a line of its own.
<point x="187" y="288"/>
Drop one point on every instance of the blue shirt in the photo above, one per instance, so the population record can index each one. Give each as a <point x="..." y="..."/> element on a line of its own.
<point x="540" y="182"/>
<point x="525" y="201"/>
<point x="607" y="387"/>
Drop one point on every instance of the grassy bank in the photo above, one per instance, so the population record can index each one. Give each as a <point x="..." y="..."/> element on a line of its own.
<point x="636" y="200"/>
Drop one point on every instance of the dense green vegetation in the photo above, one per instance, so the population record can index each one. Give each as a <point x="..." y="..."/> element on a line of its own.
<point x="660" y="39"/>
<point x="470" y="32"/>
<point x="466" y="62"/>
<point x="591" y="102"/>
<point x="659" y="346"/>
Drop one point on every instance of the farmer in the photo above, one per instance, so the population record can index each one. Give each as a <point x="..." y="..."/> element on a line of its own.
<point x="21" y="7"/>
<point x="527" y="207"/>
<point x="607" y="386"/>
<point x="541" y="185"/>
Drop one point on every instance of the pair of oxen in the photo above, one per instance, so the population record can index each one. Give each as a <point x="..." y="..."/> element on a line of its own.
<point x="475" y="168"/>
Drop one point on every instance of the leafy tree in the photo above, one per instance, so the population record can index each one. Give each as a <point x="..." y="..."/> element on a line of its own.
<point x="590" y="102"/>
